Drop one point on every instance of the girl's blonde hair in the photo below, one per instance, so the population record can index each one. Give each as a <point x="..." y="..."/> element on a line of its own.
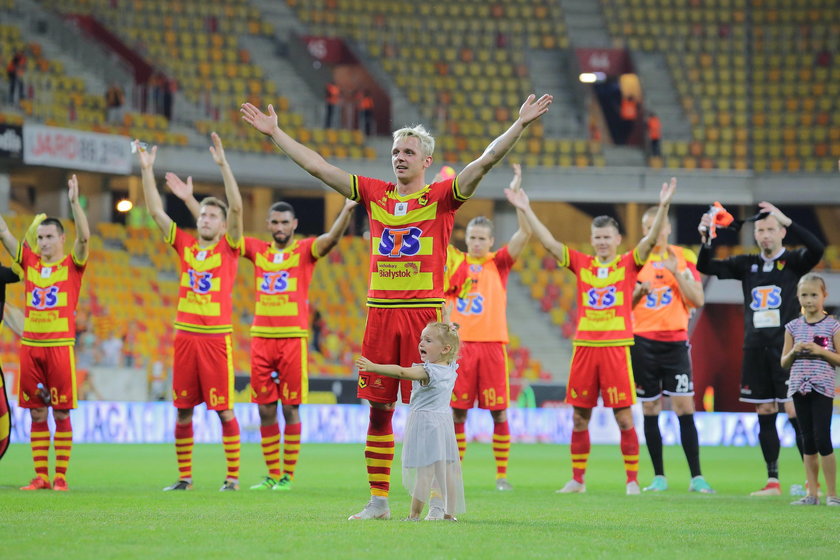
<point x="813" y="277"/>
<point x="448" y="334"/>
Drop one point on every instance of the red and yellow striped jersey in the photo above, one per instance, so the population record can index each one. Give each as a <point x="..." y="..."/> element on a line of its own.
<point x="478" y="291"/>
<point x="281" y="281"/>
<point x="663" y="313"/>
<point x="205" y="293"/>
<point x="52" y="292"/>
<point x="408" y="236"/>
<point x="604" y="298"/>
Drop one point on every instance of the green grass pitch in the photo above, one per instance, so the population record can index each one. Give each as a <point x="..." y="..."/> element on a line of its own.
<point x="115" y="509"/>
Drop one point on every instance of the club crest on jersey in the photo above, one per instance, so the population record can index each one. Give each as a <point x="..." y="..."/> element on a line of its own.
<point x="766" y="297"/>
<point x="601" y="298"/>
<point x="400" y="242"/>
<point x="780" y="265"/>
<point x="275" y="282"/>
<point x="200" y="282"/>
<point x="363" y="381"/>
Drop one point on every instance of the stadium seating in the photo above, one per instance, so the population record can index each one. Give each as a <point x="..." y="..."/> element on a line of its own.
<point x="755" y="77"/>
<point x="469" y="80"/>
<point x="58" y="99"/>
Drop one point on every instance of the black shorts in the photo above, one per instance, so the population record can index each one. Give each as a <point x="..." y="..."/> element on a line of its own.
<point x="661" y="368"/>
<point x="762" y="377"/>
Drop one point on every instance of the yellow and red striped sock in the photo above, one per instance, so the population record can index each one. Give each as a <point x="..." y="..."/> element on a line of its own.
<point x="271" y="449"/>
<point x="40" y="442"/>
<point x="461" y="438"/>
<point x="580" y="448"/>
<point x="501" y="447"/>
<point x="183" y="450"/>
<point x="63" y="443"/>
<point x="230" y="442"/>
<point x="291" y="448"/>
<point x="630" y="451"/>
<point x="379" y="451"/>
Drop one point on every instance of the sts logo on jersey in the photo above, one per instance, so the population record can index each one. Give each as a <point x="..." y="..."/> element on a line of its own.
<point x="600" y="298"/>
<point x="659" y="298"/>
<point x="471" y="304"/>
<point x="400" y="242"/>
<point x="200" y="282"/>
<point x="45" y="298"/>
<point x="766" y="297"/>
<point x="275" y="282"/>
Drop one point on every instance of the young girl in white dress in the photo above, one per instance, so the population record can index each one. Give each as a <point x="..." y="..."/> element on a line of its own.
<point x="430" y="451"/>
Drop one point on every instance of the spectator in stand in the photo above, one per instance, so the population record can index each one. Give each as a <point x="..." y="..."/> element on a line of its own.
<point x="14" y="72"/>
<point x="654" y="130"/>
<point x="628" y="112"/>
<point x="332" y="98"/>
<point x="169" y="88"/>
<point x="366" y="112"/>
<point x="114" y="101"/>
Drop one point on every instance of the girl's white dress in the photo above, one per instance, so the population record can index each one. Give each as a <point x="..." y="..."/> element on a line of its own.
<point x="430" y="451"/>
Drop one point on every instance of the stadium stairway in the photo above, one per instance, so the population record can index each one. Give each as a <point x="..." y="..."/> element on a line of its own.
<point x="585" y="23"/>
<point x="302" y="99"/>
<point x="624" y="156"/>
<point x="536" y="331"/>
<point x="660" y="94"/>
<point x="286" y="22"/>
<point x="546" y="69"/>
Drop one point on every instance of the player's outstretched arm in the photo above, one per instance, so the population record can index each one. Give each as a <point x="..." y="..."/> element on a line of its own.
<point x="153" y="202"/>
<point x="472" y="174"/>
<point x="415" y="373"/>
<point x="10" y="242"/>
<point x="184" y="191"/>
<point x="520" y="236"/>
<point x="519" y="199"/>
<point x="648" y="242"/>
<point x="307" y="159"/>
<point x="234" y="197"/>
<point x="81" y="247"/>
<point x="327" y="241"/>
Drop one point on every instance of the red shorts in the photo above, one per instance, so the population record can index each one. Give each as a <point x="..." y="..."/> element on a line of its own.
<point x="202" y="371"/>
<point x="289" y="358"/>
<point x="604" y="369"/>
<point x="482" y="374"/>
<point x="55" y="367"/>
<point x="391" y="337"/>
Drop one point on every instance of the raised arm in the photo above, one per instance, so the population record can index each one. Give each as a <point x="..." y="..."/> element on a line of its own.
<point x="648" y="242"/>
<point x="153" y="202"/>
<point x="472" y="174"/>
<point x="520" y="237"/>
<point x="307" y="159"/>
<point x="234" y="197"/>
<point x="10" y="242"/>
<point x="325" y="242"/>
<point x="415" y="373"/>
<point x="184" y="191"/>
<point x="813" y="246"/>
<point x="691" y="289"/>
<point x="81" y="247"/>
<point x="13" y="318"/>
<point x="520" y="200"/>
